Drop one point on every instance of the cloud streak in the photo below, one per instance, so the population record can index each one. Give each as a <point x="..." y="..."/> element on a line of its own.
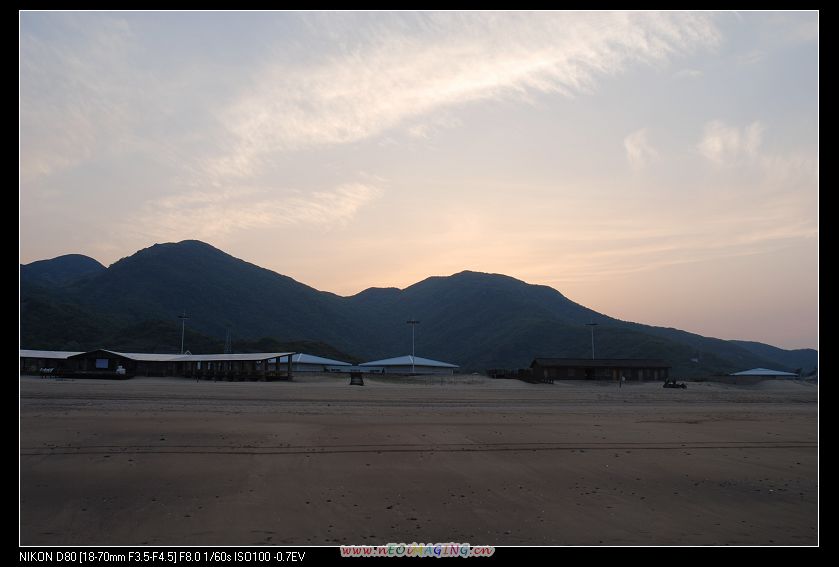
<point x="445" y="60"/>
<point x="215" y="214"/>
<point x="723" y="144"/>
<point x="60" y="133"/>
<point x="639" y="151"/>
<point x="93" y="101"/>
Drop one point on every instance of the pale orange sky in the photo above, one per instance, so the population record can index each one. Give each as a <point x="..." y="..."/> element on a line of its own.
<point x="661" y="168"/>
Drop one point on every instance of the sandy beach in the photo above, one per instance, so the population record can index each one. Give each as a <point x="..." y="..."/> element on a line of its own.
<point x="465" y="459"/>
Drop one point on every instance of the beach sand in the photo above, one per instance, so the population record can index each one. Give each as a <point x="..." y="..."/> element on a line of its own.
<point x="466" y="459"/>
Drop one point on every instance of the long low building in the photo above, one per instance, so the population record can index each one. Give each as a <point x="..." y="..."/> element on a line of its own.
<point x="548" y="369"/>
<point x="33" y="361"/>
<point x="409" y="365"/>
<point x="102" y="363"/>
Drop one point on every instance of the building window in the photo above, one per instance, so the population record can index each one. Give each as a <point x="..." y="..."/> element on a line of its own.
<point x="102" y="363"/>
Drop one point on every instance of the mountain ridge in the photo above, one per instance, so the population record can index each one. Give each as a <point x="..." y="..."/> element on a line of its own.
<point x="475" y="319"/>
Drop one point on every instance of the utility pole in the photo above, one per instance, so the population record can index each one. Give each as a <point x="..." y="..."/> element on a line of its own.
<point x="413" y="323"/>
<point x="228" y="342"/>
<point x="183" y="319"/>
<point x="592" y="325"/>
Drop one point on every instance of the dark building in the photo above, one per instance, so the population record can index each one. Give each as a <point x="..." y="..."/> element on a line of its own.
<point x="36" y="361"/>
<point x="103" y="363"/>
<point x="549" y="369"/>
<point x="110" y="364"/>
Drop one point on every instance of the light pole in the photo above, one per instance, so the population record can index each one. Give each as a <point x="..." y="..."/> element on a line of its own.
<point x="413" y="323"/>
<point x="183" y="319"/>
<point x="228" y="343"/>
<point x="592" y="325"/>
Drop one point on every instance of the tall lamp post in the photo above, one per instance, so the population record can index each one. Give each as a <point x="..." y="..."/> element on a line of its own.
<point x="413" y="323"/>
<point x="592" y="325"/>
<point x="183" y="319"/>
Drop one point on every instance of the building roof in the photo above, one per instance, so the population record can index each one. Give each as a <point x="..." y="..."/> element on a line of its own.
<point x="156" y="357"/>
<point x="242" y="356"/>
<point x="301" y="358"/>
<point x="409" y="360"/>
<point x="763" y="372"/>
<point x="146" y="357"/>
<point x="601" y="362"/>
<point x="59" y="354"/>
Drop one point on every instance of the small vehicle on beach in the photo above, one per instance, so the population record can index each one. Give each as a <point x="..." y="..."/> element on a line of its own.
<point x="671" y="383"/>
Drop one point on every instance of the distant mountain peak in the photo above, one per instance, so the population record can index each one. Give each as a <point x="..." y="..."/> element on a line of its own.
<point x="193" y="244"/>
<point x="472" y="276"/>
<point x="60" y="270"/>
<point x="475" y="273"/>
<point x="68" y="258"/>
<point x="184" y="245"/>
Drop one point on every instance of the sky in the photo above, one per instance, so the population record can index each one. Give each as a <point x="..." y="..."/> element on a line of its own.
<point x="656" y="167"/>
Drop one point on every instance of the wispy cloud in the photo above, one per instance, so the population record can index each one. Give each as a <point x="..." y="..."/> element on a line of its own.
<point x="805" y="31"/>
<point x="731" y="148"/>
<point x="214" y="214"/>
<point x="338" y="205"/>
<point x="792" y="27"/>
<point x="427" y="128"/>
<point x="442" y="60"/>
<point x="639" y="151"/>
<point x="93" y="98"/>
<point x="688" y="74"/>
<point x="61" y="132"/>
<point x="724" y="144"/>
<point x="752" y="57"/>
<point x="615" y="249"/>
<point x="96" y="100"/>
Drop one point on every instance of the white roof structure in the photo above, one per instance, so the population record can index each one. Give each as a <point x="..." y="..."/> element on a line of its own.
<point x="762" y="372"/>
<point x="301" y="358"/>
<point x="146" y="357"/>
<point x="409" y="360"/>
<point x="154" y="357"/>
<point x="59" y="354"/>
<point x="225" y="357"/>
